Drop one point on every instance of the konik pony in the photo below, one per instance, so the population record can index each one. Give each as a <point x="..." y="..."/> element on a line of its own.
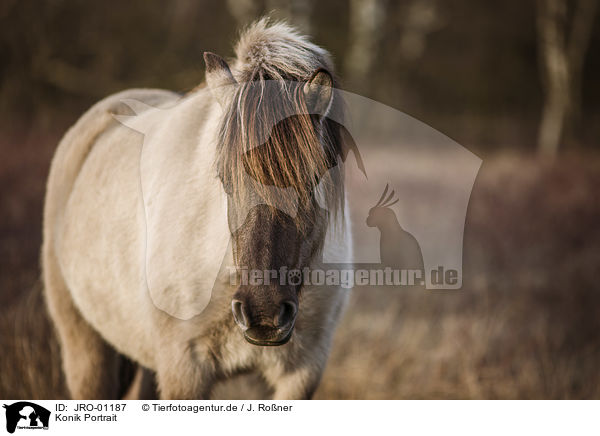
<point x="237" y="147"/>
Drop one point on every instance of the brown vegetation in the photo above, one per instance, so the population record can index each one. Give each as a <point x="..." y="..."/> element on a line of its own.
<point x="525" y="324"/>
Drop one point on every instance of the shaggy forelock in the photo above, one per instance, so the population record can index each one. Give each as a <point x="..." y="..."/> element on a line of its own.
<point x="273" y="63"/>
<point x="278" y="51"/>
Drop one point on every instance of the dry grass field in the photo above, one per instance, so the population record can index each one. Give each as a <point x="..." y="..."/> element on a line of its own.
<point x="525" y="325"/>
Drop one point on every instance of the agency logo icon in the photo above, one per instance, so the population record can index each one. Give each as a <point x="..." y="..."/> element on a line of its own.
<point x="397" y="247"/>
<point x="26" y="415"/>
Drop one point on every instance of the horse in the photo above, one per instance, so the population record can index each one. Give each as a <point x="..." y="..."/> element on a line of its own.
<point x="94" y="231"/>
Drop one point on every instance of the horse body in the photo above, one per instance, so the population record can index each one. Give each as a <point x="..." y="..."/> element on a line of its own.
<point x="94" y="262"/>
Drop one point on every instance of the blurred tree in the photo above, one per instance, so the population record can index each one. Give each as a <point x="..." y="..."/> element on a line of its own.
<point x="456" y="65"/>
<point x="244" y="11"/>
<point x="296" y="12"/>
<point x="564" y="32"/>
<point x="422" y="18"/>
<point x="366" y="19"/>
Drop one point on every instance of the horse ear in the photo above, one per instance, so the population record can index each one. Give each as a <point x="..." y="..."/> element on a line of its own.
<point x="318" y="92"/>
<point x="218" y="77"/>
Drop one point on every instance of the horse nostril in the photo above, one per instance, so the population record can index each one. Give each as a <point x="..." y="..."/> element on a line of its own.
<point x="287" y="314"/>
<point x="237" y="307"/>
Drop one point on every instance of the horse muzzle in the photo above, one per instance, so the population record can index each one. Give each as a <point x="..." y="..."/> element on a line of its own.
<point x="265" y="323"/>
<point x="266" y="336"/>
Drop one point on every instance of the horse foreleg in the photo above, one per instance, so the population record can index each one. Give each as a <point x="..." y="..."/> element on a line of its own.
<point x="142" y="386"/>
<point x="91" y="366"/>
<point x="299" y="384"/>
<point x="185" y="374"/>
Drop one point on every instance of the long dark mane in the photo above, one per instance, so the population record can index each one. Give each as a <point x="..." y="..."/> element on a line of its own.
<point x="272" y="65"/>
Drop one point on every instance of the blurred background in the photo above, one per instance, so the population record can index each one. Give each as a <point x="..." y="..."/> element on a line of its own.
<point x="516" y="82"/>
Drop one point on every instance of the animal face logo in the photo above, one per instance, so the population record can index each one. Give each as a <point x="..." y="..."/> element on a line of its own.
<point x="26" y="415"/>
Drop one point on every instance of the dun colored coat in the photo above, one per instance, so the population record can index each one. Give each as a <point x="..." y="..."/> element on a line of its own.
<point x="95" y="236"/>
